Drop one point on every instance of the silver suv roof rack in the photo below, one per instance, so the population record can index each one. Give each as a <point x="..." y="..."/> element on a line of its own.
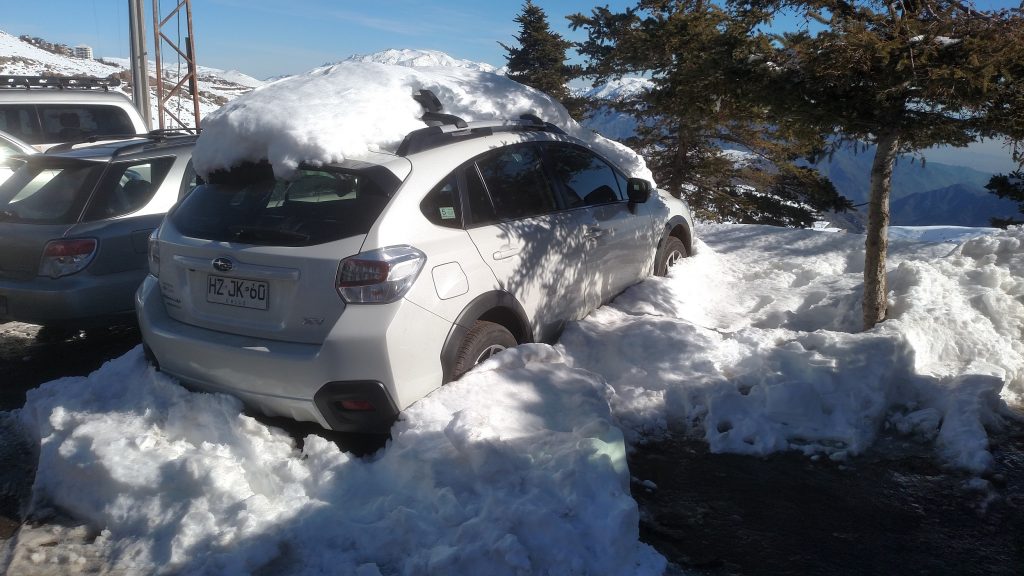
<point x="445" y="128"/>
<point x="58" y="82"/>
<point x="134" y="142"/>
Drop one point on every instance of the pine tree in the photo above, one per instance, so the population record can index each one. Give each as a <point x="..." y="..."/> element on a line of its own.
<point x="903" y="75"/>
<point x="693" y="53"/>
<point x="1008" y="186"/>
<point x="540" y="59"/>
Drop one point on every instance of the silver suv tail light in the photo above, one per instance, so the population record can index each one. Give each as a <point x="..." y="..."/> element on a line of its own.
<point x="65" y="257"/>
<point x="379" y="276"/>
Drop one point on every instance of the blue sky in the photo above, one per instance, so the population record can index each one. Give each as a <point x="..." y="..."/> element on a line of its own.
<point x="266" y="38"/>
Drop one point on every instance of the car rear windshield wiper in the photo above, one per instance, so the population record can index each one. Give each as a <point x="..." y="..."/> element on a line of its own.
<point x="255" y="234"/>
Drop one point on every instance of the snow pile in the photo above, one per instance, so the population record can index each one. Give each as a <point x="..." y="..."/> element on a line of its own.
<point x="347" y="109"/>
<point x="754" y="344"/>
<point x="514" y="469"/>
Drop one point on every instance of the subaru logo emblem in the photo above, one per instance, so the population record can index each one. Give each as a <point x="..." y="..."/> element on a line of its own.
<point x="223" y="264"/>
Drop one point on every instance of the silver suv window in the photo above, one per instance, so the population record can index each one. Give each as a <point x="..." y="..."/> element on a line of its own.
<point x="250" y="205"/>
<point x="44" y="123"/>
<point x="515" y="179"/>
<point x="584" y="178"/>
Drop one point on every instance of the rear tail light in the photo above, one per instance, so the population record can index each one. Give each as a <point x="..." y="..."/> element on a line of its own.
<point x="64" y="257"/>
<point x="379" y="276"/>
<point x="154" y="254"/>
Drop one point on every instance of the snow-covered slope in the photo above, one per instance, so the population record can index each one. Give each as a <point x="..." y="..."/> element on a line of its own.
<point x="23" y="59"/>
<point x="215" y="86"/>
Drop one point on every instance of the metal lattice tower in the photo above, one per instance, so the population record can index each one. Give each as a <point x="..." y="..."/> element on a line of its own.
<point x="185" y="49"/>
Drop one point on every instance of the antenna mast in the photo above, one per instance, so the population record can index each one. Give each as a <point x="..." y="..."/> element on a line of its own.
<point x="140" y="74"/>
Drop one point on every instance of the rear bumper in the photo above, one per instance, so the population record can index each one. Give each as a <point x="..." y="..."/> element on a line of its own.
<point x="388" y="355"/>
<point x="78" y="298"/>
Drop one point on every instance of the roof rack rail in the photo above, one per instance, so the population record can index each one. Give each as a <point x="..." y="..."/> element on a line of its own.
<point x="153" y="136"/>
<point x="443" y="128"/>
<point x="58" y="82"/>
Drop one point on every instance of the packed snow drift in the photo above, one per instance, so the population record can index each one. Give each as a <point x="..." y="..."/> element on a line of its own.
<point x="348" y="109"/>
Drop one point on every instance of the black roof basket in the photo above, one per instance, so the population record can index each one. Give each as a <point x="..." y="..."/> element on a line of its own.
<point x="58" y="82"/>
<point x="443" y="128"/>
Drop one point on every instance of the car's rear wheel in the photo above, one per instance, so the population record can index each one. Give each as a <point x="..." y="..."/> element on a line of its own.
<point x="484" y="339"/>
<point x="674" y="252"/>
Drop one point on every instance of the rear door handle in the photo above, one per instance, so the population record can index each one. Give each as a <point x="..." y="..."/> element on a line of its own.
<point x="593" y="233"/>
<point x="506" y="252"/>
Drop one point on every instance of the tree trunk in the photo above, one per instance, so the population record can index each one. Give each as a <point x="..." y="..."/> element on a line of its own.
<point x="877" y="243"/>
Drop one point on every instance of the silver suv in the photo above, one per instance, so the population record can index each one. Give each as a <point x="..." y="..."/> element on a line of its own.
<point x="74" y="225"/>
<point x="351" y="290"/>
<point x="44" y="110"/>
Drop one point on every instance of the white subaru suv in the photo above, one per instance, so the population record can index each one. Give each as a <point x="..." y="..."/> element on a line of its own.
<point x="351" y="290"/>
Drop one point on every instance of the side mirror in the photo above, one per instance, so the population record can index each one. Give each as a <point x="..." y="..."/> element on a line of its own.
<point x="638" y="190"/>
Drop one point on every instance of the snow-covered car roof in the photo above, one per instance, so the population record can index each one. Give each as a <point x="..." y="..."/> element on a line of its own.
<point x="348" y="109"/>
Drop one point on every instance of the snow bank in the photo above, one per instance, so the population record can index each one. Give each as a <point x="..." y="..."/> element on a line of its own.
<point x="514" y="469"/>
<point x="344" y="110"/>
<point x="754" y="344"/>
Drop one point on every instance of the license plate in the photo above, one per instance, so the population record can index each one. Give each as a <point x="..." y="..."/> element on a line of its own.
<point x="237" y="292"/>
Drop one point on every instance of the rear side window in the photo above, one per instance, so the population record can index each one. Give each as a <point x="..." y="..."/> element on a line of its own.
<point x="441" y="206"/>
<point x="251" y="206"/>
<point x="516" y="182"/>
<point x="584" y="178"/>
<point x="48" y="192"/>
<point x="127" y="187"/>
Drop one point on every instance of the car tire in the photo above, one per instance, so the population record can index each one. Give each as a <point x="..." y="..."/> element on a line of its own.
<point x="674" y="251"/>
<point x="484" y="339"/>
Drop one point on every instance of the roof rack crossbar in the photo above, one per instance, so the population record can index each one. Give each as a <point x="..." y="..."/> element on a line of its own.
<point x="434" y="136"/>
<point x="443" y="128"/>
<point x="58" y="82"/>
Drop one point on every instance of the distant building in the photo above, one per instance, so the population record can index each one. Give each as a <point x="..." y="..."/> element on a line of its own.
<point x="83" y="51"/>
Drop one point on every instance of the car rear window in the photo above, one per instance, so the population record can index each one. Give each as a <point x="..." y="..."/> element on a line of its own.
<point x="251" y="206"/>
<point x="49" y="123"/>
<point x="48" y="191"/>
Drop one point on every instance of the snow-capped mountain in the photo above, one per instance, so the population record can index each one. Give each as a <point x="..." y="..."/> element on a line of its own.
<point x="423" y="58"/>
<point x="619" y="89"/>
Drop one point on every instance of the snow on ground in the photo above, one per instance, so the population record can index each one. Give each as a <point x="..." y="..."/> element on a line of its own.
<point x="753" y="344"/>
<point x="347" y="109"/>
<point x="516" y="469"/>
